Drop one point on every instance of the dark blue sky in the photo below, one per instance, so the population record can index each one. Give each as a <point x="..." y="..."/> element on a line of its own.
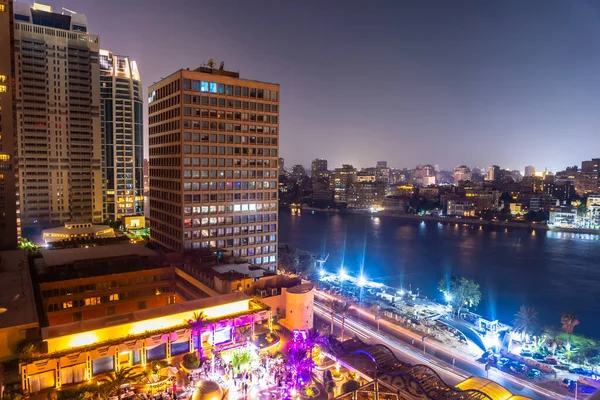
<point x="442" y="82"/>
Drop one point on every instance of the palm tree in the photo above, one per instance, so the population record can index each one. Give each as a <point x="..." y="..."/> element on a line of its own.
<point x="569" y="321"/>
<point x="197" y="325"/>
<point x="342" y="309"/>
<point x="553" y="335"/>
<point x="313" y="338"/>
<point x="119" y="378"/>
<point x="526" y="320"/>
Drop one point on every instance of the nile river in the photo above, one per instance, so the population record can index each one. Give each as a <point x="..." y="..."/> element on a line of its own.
<point x="551" y="271"/>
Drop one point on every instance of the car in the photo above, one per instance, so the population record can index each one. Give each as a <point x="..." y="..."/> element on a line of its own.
<point x="586" y="389"/>
<point x="485" y="357"/>
<point x="517" y="367"/>
<point x="581" y="371"/>
<point x="551" y="361"/>
<point x="533" y="373"/>
<point x="526" y="353"/>
<point x="503" y="362"/>
<point x="538" y="356"/>
<point x="566" y="383"/>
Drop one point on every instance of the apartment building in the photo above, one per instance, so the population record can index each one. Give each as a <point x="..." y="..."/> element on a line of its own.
<point x="9" y="222"/>
<point x="122" y="133"/>
<point x="57" y="98"/>
<point x="213" y="140"/>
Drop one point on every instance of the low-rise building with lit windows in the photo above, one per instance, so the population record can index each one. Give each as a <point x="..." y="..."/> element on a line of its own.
<point x="106" y="307"/>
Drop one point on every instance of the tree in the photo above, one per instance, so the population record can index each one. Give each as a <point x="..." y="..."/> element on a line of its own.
<point x="288" y="258"/>
<point x="586" y="352"/>
<point x="553" y="335"/>
<point x="119" y="378"/>
<point x="569" y="321"/>
<point x="342" y="309"/>
<point x="197" y="326"/>
<point x="526" y="320"/>
<point x="460" y="292"/>
<point x="350" y="386"/>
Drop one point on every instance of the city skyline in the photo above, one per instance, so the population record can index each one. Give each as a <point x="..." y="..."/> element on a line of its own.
<point x="513" y="78"/>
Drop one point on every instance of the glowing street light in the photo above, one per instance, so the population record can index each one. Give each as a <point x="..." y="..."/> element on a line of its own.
<point x="322" y="273"/>
<point x="448" y="297"/>
<point x="343" y="274"/>
<point x="362" y="281"/>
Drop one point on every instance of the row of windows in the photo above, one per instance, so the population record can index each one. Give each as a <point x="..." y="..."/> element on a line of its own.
<point x="97" y="300"/>
<point x="71" y="290"/>
<point x="223" y="126"/>
<point x="235" y="139"/>
<point x="235" y="185"/>
<point x="229" y="90"/>
<point x="228" y="197"/>
<point x="228" y="150"/>
<point x="244" y="219"/>
<point x="229" y="162"/>
<point x="237" y="116"/>
<point x="237" y="104"/>
<point x="223" y="209"/>
<point x="227" y="174"/>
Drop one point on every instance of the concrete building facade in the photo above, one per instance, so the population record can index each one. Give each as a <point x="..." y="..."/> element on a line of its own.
<point x="213" y="141"/>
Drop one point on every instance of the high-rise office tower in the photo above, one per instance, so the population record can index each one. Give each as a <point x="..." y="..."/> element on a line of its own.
<point x="9" y="222"/>
<point x="318" y="168"/>
<point x="57" y="98"/>
<point x="123" y="144"/>
<point x="213" y="141"/>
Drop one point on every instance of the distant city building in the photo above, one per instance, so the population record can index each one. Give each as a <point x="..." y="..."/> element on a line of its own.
<point x="60" y="143"/>
<point x="341" y="181"/>
<point x="483" y="200"/>
<point x="530" y="170"/>
<point x="462" y="173"/>
<point x="10" y="229"/>
<point x="281" y="166"/>
<point x="381" y="164"/>
<point x="494" y="174"/>
<point x="564" y="191"/>
<point x="366" y="192"/>
<point x="225" y="195"/>
<point x="395" y="204"/>
<point x="318" y="167"/>
<point x="121" y="115"/>
<point x="586" y="182"/>
<point x="460" y="207"/>
<point x="146" y="176"/>
<point x="591" y="165"/>
<point x="516" y="176"/>
<point x="542" y="202"/>
<point x="592" y="206"/>
<point x="564" y="217"/>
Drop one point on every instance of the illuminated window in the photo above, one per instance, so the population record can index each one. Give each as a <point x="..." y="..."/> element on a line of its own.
<point x="2" y="88"/>
<point x="4" y="157"/>
<point x="2" y="78"/>
<point x="213" y="87"/>
<point x="67" y="304"/>
<point x="2" y="8"/>
<point x="114" y="297"/>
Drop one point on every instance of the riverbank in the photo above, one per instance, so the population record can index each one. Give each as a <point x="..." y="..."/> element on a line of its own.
<point x="458" y="220"/>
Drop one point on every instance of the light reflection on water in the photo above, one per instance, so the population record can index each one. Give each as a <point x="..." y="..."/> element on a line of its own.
<point x="551" y="271"/>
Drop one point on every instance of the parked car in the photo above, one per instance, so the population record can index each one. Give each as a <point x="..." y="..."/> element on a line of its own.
<point x="533" y="373"/>
<point x="581" y="371"/>
<point x="538" y="356"/>
<point x="551" y="361"/>
<point x="566" y="383"/>
<point x="526" y="353"/>
<point x="485" y="357"/>
<point x="586" y="389"/>
<point x="517" y="367"/>
<point x="503" y="362"/>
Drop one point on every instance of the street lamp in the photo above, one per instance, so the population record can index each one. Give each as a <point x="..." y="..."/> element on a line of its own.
<point x="448" y="297"/>
<point x="343" y="274"/>
<point x="361" y="281"/>
<point x="322" y="273"/>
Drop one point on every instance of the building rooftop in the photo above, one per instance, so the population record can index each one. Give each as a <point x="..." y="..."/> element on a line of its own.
<point x="300" y="289"/>
<point x="16" y="291"/>
<point x="245" y="269"/>
<point x="68" y="256"/>
<point x="140" y="315"/>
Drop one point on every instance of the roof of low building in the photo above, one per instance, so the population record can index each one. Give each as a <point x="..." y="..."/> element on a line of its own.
<point x="492" y="389"/>
<point x="77" y="231"/>
<point x="245" y="269"/>
<point x="16" y="292"/>
<point x="69" y="256"/>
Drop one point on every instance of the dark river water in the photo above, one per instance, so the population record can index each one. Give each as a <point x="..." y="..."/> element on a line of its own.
<point x="553" y="272"/>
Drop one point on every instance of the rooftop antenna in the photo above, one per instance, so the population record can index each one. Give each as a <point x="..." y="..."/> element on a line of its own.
<point x="211" y="63"/>
<point x="70" y="11"/>
<point x="222" y="65"/>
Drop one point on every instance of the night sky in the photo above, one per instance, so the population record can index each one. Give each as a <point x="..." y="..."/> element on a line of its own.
<point x="511" y="83"/>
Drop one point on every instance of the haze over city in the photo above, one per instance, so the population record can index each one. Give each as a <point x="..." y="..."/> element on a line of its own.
<point x="510" y="83"/>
